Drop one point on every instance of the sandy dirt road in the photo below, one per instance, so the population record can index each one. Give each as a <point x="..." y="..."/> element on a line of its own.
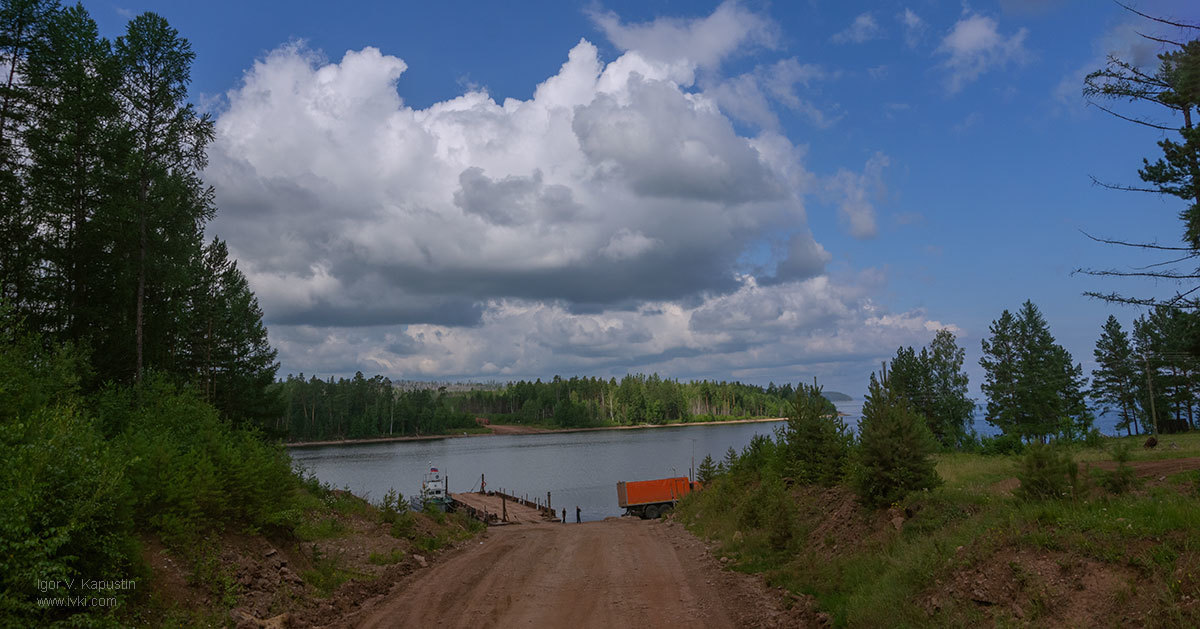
<point x="616" y="573"/>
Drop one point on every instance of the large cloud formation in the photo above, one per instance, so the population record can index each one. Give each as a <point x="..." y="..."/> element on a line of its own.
<point x="606" y="223"/>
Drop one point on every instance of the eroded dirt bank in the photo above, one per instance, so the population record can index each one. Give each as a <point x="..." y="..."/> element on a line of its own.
<point x="615" y="573"/>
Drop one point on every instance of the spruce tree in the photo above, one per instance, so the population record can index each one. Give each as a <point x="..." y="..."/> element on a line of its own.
<point x="999" y="364"/>
<point x="1114" y="381"/>
<point x="952" y="409"/>
<point x="708" y="469"/>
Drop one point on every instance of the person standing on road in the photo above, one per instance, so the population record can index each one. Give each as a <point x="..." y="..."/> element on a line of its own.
<point x="564" y="515"/>
<point x="577" y="520"/>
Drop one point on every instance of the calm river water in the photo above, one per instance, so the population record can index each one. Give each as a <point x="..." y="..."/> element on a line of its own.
<point x="577" y="468"/>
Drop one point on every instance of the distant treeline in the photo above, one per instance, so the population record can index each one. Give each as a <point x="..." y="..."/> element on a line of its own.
<point x="634" y="399"/>
<point x="359" y="407"/>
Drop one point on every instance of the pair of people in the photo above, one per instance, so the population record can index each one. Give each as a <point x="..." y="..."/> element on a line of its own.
<point x="578" y="520"/>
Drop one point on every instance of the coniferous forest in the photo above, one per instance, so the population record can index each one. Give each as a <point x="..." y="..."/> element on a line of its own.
<point x="134" y="362"/>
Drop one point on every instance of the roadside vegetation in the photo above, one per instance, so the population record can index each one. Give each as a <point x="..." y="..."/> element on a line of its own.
<point x="1059" y="536"/>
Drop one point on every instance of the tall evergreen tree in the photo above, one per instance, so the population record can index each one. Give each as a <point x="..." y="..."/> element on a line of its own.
<point x="227" y="352"/>
<point x="22" y="29"/>
<point x="74" y="141"/>
<point x="1166" y="339"/>
<point x="1114" y="381"/>
<point x="168" y="201"/>
<point x="933" y="384"/>
<point x="1034" y="389"/>
<point x="950" y="417"/>
<point x="999" y="364"/>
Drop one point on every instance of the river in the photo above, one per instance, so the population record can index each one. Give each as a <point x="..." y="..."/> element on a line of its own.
<point x="577" y="468"/>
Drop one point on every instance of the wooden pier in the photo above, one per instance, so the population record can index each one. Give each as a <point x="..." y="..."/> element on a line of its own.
<point x="496" y="508"/>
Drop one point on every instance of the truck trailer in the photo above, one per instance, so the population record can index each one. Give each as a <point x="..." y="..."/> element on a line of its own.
<point x="652" y="498"/>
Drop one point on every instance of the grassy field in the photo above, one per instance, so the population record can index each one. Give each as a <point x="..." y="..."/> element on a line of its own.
<point x="971" y="551"/>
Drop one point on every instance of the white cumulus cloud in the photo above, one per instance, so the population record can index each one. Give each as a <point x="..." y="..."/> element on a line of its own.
<point x="975" y="45"/>
<point x="599" y="225"/>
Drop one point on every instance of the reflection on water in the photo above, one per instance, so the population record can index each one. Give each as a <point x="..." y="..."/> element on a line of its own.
<point x="578" y="468"/>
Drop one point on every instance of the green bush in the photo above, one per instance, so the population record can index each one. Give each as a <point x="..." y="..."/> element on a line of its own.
<point x="404" y="526"/>
<point x="1003" y="444"/>
<point x="1047" y="472"/>
<point x="190" y="471"/>
<point x="1122" y="479"/>
<point x="64" y="511"/>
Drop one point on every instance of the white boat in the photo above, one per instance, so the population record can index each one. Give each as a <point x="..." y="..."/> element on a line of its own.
<point x="433" y="491"/>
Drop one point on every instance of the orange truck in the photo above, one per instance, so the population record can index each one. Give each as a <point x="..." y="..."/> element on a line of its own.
<point x="652" y="498"/>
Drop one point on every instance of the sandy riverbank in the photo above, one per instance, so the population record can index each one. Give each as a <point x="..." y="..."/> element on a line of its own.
<point x="517" y="429"/>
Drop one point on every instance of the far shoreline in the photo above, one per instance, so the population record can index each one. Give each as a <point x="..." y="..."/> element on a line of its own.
<point x="517" y="429"/>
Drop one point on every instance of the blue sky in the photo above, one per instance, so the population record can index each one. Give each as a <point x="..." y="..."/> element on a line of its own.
<point x="742" y="191"/>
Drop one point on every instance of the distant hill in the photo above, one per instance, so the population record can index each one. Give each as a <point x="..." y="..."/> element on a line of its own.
<point x="834" y="396"/>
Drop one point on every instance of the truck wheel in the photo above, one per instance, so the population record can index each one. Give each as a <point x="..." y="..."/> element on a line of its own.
<point x="650" y="512"/>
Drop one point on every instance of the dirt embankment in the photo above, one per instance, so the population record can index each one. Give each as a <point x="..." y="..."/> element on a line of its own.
<point x="615" y="573"/>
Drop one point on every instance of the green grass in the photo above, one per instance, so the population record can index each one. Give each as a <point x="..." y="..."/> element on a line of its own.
<point x="975" y="471"/>
<point x="388" y="558"/>
<point x="327" y="573"/>
<point x="320" y="528"/>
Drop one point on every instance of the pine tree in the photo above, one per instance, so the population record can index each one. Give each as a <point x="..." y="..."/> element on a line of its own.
<point x="933" y="384"/>
<point x="227" y="354"/>
<point x="895" y="448"/>
<point x="1171" y="86"/>
<point x="815" y="440"/>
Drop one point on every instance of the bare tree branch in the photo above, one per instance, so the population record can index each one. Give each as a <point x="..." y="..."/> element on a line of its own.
<point x="1159" y="39"/>
<point x="1165" y="263"/>
<point x="1142" y="245"/>
<point x="1152" y="125"/>
<point x="1156" y="19"/>
<point x="1162" y="275"/>
<point x="1123" y="188"/>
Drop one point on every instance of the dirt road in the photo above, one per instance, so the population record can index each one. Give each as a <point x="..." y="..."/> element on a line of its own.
<point x="615" y="573"/>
